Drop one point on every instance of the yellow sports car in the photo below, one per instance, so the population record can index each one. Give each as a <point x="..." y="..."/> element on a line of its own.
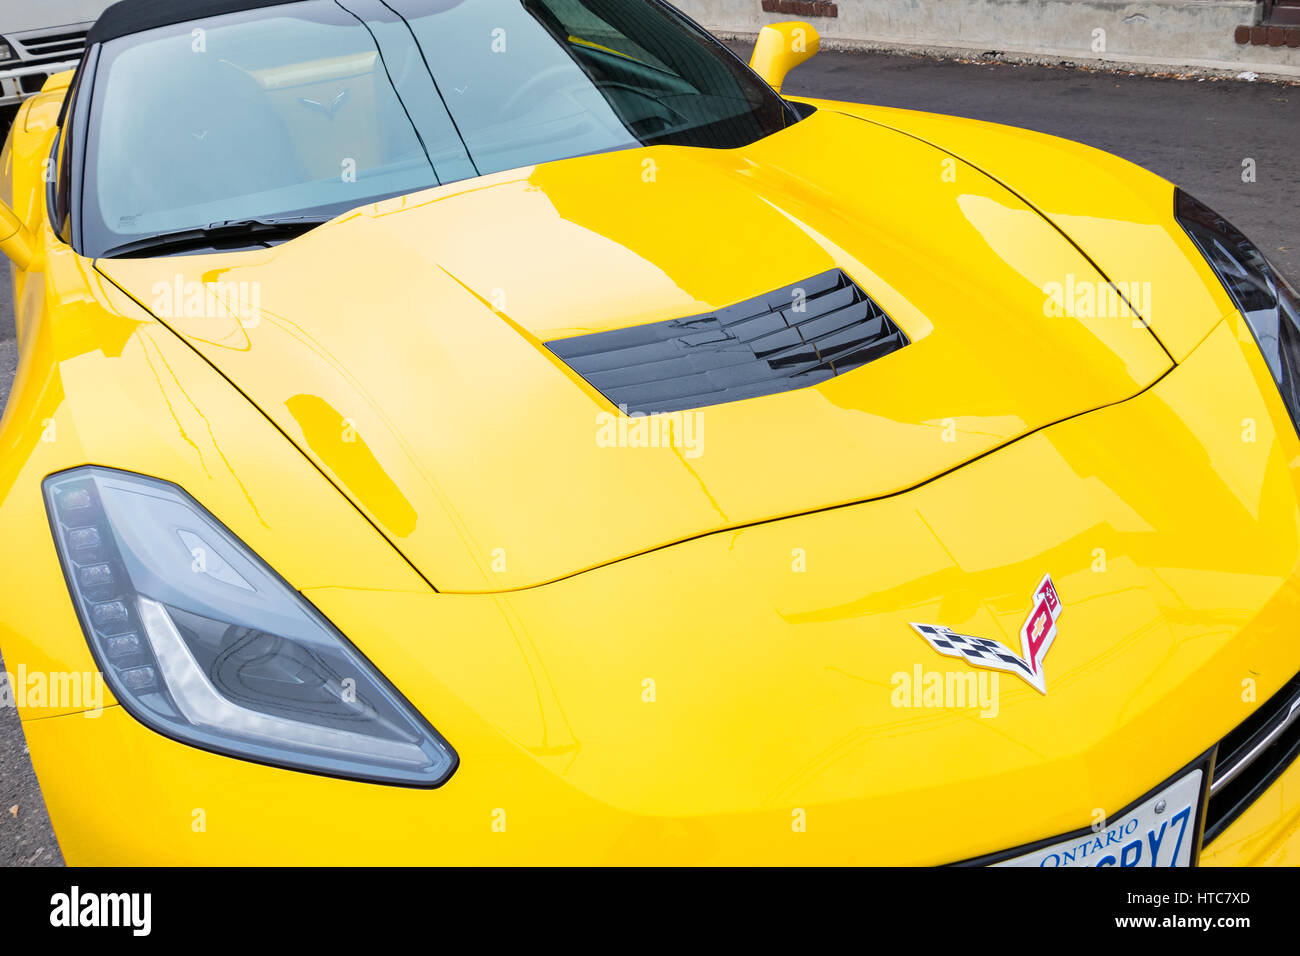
<point x="509" y="431"/>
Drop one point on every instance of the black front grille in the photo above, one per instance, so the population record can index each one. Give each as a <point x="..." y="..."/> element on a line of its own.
<point x="1251" y="757"/>
<point x="791" y="338"/>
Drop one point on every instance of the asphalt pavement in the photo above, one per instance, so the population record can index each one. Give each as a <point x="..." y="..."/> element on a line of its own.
<point x="1195" y="133"/>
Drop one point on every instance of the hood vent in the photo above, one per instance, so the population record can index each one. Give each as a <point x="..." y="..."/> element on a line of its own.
<point x="791" y="338"/>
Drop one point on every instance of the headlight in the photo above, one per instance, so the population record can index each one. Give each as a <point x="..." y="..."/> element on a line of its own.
<point x="1269" y="303"/>
<point x="6" y="51"/>
<point x="203" y="642"/>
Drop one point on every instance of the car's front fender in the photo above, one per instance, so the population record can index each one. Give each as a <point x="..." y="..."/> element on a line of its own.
<point x="1118" y="214"/>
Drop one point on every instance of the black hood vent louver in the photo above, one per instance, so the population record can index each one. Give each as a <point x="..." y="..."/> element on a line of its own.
<point x="791" y="338"/>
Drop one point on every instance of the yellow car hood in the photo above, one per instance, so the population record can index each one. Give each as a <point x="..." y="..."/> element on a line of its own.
<point x="401" y="345"/>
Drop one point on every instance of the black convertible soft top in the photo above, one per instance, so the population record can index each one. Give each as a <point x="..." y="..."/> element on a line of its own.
<point x="133" y="16"/>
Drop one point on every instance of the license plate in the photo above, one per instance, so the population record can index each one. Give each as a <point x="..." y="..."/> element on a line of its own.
<point x="1160" y="831"/>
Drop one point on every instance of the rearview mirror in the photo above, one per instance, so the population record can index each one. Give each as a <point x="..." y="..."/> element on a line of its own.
<point x="16" y="240"/>
<point x="781" y="47"/>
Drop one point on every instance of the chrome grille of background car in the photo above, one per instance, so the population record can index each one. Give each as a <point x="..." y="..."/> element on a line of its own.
<point x="38" y="47"/>
<point x="40" y="53"/>
<point x="1251" y="757"/>
<point x="796" y="336"/>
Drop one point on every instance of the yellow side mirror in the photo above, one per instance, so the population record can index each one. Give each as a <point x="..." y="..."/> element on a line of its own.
<point x="781" y="47"/>
<point x="58" y="81"/>
<point x="16" y="240"/>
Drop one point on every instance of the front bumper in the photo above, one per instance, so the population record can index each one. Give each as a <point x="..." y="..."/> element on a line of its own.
<point x="1268" y="833"/>
<point x="19" y="82"/>
<point x="119" y="795"/>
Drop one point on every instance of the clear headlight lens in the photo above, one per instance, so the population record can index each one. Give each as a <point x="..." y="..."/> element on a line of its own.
<point x="6" y="51"/>
<point x="1269" y="303"/>
<point x="200" y="640"/>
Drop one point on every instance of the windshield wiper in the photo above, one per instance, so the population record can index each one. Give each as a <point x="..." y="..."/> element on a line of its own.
<point x="283" y="227"/>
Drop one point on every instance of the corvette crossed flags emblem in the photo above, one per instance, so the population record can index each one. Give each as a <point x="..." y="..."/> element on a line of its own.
<point x="1036" y="636"/>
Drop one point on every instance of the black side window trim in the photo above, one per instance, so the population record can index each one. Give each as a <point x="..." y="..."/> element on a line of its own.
<point x="804" y="110"/>
<point x="54" y="209"/>
<point x="68" y="174"/>
<point x="52" y="183"/>
<point x="78" y="122"/>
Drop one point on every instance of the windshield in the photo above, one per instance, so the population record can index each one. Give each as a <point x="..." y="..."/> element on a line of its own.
<point x="308" y="109"/>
